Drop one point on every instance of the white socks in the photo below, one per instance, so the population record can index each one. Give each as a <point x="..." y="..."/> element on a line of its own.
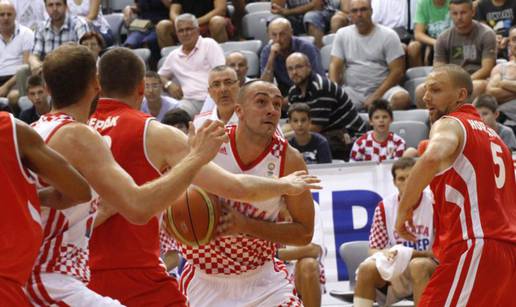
<point x="362" y="302"/>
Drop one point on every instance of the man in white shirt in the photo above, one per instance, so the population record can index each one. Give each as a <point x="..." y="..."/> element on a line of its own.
<point x="15" y="47"/>
<point x="185" y="71"/>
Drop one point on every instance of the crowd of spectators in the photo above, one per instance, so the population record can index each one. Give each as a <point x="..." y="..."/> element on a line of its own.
<point x="373" y="45"/>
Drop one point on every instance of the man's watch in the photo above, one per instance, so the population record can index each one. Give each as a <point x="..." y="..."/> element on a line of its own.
<point x="167" y="85"/>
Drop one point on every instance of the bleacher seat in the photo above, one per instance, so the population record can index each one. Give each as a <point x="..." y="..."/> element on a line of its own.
<point x="253" y="45"/>
<point x="230" y="10"/>
<point x="411" y="85"/>
<point x="165" y="51"/>
<point x="307" y="38"/>
<point x="254" y="25"/>
<point x="253" y="63"/>
<point x="326" y="57"/>
<point x="144" y="54"/>
<point x="116" y="21"/>
<point x="418" y="72"/>
<point x="364" y="116"/>
<point x="119" y="5"/>
<point x="328" y="39"/>
<point x="24" y="103"/>
<point x="411" y="131"/>
<point x="161" y="61"/>
<point x="353" y="253"/>
<point x="420" y="115"/>
<point x="258" y="7"/>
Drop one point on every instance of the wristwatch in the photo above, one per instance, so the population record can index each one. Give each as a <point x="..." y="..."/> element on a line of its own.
<point x="167" y="85"/>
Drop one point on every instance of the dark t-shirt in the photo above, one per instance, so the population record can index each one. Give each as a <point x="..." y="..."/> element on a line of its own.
<point x="30" y="115"/>
<point x="198" y="8"/>
<point x="154" y="10"/>
<point x="499" y="18"/>
<point x="316" y="151"/>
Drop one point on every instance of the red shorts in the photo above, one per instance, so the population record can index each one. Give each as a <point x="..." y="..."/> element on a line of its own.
<point x="484" y="274"/>
<point x="138" y="287"/>
<point x="204" y="30"/>
<point x="11" y="294"/>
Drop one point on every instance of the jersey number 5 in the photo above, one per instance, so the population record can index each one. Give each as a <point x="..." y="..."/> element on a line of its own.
<point x="497" y="159"/>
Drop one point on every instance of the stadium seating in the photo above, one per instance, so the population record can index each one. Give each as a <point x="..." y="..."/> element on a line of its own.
<point x="254" y="25"/>
<point x="144" y="54"/>
<point x="420" y="115"/>
<point x="328" y="39"/>
<point x="165" y="51"/>
<point x="411" y="85"/>
<point x="353" y="253"/>
<point x="418" y="72"/>
<point x="119" y="5"/>
<point x="254" y="45"/>
<point x="411" y="131"/>
<point x="258" y="7"/>
<point x="326" y="57"/>
<point x="116" y="21"/>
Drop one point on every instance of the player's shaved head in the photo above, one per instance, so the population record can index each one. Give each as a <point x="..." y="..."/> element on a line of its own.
<point x="458" y="76"/>
<point x="250" y="86"/>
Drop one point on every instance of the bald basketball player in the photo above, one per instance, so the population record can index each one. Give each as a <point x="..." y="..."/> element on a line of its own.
<point x="22" y="149"/>
<point x="146" y="148"/>
<point x="231" y="270"/>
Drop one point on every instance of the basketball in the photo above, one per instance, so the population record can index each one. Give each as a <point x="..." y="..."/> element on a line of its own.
<point x="193" y="218"/>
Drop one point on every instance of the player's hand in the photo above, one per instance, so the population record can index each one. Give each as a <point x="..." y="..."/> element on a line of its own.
<point x="300" y="181"/>
<point x="231" y="222"/>
<point x="403" y="223"/>
<point x="206" y="142"/>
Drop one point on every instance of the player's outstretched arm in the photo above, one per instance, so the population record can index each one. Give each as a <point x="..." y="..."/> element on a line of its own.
<point x="68" y="186"/>
<point x="297" y="232"/>
<point x="85" y="149"/>
<point x="446" y="137"/>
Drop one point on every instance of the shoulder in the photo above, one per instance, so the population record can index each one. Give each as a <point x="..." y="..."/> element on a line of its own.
<point x="293" y="160"/>
<point x="344" y="32"/>
<point x="386" y="31"/>
<point x="319" y="138"/>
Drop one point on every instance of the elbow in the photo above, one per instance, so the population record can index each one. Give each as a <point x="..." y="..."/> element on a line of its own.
<point x="137" y="214"/>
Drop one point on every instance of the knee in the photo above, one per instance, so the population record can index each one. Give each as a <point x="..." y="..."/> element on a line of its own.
<point x="13" y="96"/>
<point x="421" y="269"/>
<point x="367" y="272"/>
<point x="400" y="100"/>
<point x="308" y="268"/>
<point x="414" y="48"/>
<point x="217" y="24"/>
<point x="165" y="27"/>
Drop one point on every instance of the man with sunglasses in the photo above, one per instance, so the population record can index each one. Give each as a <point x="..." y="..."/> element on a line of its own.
<point x="368" y="59"/>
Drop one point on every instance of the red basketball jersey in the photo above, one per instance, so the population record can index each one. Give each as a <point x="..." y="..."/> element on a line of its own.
<point x="20" y="224"/>
<point x="475" y="198"/>
<point x="118" y="244"/>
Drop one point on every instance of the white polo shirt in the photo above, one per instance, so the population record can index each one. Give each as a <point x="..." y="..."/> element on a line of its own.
<point x="191" y="70"/>
<point x="11" y="53"/>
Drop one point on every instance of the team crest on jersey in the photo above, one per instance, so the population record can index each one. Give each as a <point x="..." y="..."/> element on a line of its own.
<point x="223" y="150"/>
<point x="270" y="167"/>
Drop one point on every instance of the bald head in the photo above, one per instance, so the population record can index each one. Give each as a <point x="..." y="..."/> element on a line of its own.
<point x="299" y="69"/>
<point x="255" y="86"/>
<point x="7" y="15"/>
<point x="281" y="24"/>
<point x="298" y="58"/>
<point x="238" y="62"/>
<point x="280" y="32"/>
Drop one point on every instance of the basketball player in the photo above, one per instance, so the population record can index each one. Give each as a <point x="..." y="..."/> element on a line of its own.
<point x="238" y="268"/>
<point x="146" y="148"/>
<point x="20" y="226"/>
<point x="471" y="173"/>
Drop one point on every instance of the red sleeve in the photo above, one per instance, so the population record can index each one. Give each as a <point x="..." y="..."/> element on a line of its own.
<point x="378" y="238"/>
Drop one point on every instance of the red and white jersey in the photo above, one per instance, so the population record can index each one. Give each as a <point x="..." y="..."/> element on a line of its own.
<point x="423" y="219"/>
<point x="367" y="148"/>
<point x="66" y="232"/>
<point x="235" y="255"/>
<point x="124" y="129"/>
<point x="475" y="198"/>
<point x="20" y="224"/>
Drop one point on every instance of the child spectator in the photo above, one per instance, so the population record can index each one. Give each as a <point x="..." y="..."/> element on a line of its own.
<point x="178" y="118"/>
<point x="487" y="108"/>
<point x="38" y="95"/>
<point x="378" y="144"/>
<point x="313" y="146"/>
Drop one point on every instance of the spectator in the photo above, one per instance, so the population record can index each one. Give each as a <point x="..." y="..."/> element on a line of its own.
<point x="190" y="64"/>
<point x="177" y="118"/>
<point x="341" y="17"/>
<point x="94" y="42"/>
<point x="38" y="95"/>
<point x="92" y="12"/>
<point x="371" y="60"/>
<point x="210" y="14"/>
<point x="154" y="103"/>
<point x="273" y="56"/>
<point x="151" y="12"/>
<point x="378" y="144"/>
<point x="487" y="108"/>
<point x="30" y="13"/>
<point x="59" y="28"/>
<point x="431" y="20"/>
<point x="332" y="112"/>
<point x="223" y="88"/>
<point x="498" y="15"/>
<point x="305" y="263"/>
<point x="238" y="62"/>
<point x="15" y="48"/>
<point x="415" y="275"/>
<point x="306" y="16"/>
<point x="502" y="83"/>
<point x="313" y="146"/>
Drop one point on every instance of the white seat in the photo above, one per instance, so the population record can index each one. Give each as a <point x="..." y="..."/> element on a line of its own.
<point x="254" y="25"/>
<point x="411" y="131"/>
<point x="258" y="7"/>
<point x="328" y="39"/>
<point x="326" y="57"/>
<point x="307" y="38"/>
<point x="418" y="72"/>
<point x="253" y="45"/>
<point x="116" y="21"/>
<point x="144" y="54"/>
<point x="165" y="51"/>
<point x="353" y="253"/>
<point x="119" y="5"/>
<point x="420" y="115"/>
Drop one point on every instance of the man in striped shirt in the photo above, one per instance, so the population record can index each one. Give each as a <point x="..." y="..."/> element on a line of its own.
<point x="332" y="112"/>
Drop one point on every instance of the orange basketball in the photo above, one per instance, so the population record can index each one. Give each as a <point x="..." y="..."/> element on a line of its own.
<point x="193" y="217"/>
<point x="422" y="147"/>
